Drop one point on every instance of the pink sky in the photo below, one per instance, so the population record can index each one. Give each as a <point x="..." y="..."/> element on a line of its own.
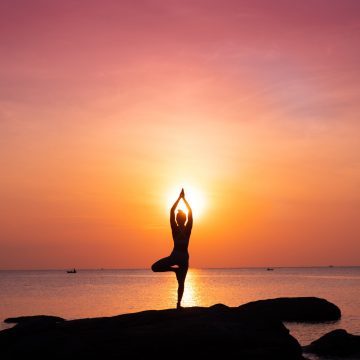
<point x="106" y="105"/>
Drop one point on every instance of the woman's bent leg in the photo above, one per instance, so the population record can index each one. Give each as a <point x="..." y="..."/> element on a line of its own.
<point x="164" y="264"/>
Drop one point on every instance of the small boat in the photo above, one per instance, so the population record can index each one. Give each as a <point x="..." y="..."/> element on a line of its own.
<point x="71" y="271"/>
<point x="270" y="269"/>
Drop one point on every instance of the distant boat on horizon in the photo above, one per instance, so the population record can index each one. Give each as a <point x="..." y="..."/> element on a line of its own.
<point x="71" y="271"/>
<point x="269" y="269"/>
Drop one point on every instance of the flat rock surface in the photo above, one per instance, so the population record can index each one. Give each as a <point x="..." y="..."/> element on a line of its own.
<point x="250" y="331"/>
<point x="202" y="332"/>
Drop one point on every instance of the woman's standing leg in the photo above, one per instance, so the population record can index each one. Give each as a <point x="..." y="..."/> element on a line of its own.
<point x="180" y="276"/>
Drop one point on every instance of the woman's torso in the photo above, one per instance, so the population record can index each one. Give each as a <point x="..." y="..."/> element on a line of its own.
<point x="181" y="239"/>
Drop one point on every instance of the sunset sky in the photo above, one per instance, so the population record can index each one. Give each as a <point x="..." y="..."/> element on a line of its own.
<point x="108" y="108"/>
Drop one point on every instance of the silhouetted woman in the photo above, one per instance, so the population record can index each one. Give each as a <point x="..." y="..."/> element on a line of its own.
<point x="178" y="261"/>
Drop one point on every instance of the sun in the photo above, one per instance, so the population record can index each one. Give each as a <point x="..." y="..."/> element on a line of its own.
<point x="193" y="195"/>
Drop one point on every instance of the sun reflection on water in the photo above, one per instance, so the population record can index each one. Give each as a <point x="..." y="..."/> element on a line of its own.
<point x="191" y="295"/>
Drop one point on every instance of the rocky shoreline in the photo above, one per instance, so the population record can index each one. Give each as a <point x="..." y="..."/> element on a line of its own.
<point x="252" y="331"/>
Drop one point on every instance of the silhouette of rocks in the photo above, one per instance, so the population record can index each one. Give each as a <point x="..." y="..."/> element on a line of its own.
<point x="299" y="309"/>
<point x="36" y="321"/>
<point x="219" y="330"/>
<point x="336" y="343"/>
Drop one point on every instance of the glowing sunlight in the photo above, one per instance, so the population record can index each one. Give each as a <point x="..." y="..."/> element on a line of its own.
<point x="194" y="197"/>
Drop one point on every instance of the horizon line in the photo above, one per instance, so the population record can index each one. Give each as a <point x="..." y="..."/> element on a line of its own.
<point x="197" y="268"/>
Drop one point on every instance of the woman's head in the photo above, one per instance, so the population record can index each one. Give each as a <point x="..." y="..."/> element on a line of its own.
<point x="180" y="217"/>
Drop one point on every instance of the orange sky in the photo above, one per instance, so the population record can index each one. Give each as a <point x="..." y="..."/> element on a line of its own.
<point x="108" y="106"/>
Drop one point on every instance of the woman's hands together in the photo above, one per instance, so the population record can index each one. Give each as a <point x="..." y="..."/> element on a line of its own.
<point x="182" y="194"/>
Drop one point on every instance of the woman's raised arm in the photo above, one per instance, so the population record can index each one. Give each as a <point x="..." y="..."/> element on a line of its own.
<point x="189" y="216"/>
<point x="172" y="210"/>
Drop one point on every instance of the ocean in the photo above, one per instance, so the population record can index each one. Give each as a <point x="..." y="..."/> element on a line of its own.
<point x="104" y="292"/>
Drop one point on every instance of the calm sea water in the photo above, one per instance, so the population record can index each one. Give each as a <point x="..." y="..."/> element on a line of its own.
<point x="92" y="293"/>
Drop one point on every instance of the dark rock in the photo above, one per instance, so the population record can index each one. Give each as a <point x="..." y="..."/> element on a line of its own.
<point x="34" y="321"/>
<point x="188" y="333"/>
<point x="336" y="343"/>
<point x="299" y="309"/>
